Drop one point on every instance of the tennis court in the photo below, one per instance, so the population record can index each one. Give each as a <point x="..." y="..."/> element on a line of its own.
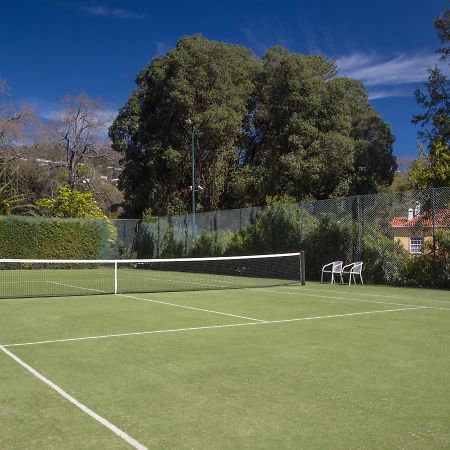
<point x="275" y="366"/>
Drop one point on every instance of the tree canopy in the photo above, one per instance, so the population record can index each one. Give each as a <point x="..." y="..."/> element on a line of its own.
<point x="283" y="125"/>
<point x="70" y="203"/>
<point x="432" y="169"/>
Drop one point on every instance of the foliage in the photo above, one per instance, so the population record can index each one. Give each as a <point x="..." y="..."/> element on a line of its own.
<point x="279" y="228"/>
<point x="77" y="133"/>
<point x="316" y="134"/>
<point x="70" y="203"/>
<point x="144" y="242"/>
<point x="211" y="244"/>
<point x="13" y="121"/>
<point x="283" y="125"/>
<point x="329" y="241"/>
<point x="442" y="25"/>
<point x="335" y="240"/>
<point x="14" y="203"/>
<point x="272" y="200"/>
<point x="432" y="169"/>
<point x="40" y="238"/>
<point x="383" y="257"/>
<point x="75" y="204"/>
<point x="209" y="83"/>
<point x="432" y="268"/>
<point x="171" y="247"/>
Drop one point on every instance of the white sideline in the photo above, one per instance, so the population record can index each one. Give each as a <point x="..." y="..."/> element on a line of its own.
<point x="301" y="294"/>
<point x="189" y="307"/>
<point x="173" y="281"/>
<point x="128" y="439"/>
<point x="379" y="295"/>
<point x="76" y="287"/>
<point x="210" y="327"/>
<point x="162" y="303"/>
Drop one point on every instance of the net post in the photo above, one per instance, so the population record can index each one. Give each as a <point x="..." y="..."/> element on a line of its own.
<point x="302" y="267"/>
<point x="115" y="277"/>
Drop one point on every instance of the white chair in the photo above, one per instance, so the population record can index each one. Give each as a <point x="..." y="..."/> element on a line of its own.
<point x="354" y="269"/>
<point x="334" y="267"/>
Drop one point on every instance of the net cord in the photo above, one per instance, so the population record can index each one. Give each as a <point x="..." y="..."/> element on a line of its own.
<point x="134" y="261"/>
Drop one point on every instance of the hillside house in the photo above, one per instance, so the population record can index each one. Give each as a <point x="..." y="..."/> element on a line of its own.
<point x="417" y="227"/>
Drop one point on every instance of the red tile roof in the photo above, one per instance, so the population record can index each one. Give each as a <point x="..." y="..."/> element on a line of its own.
<point x="441" y="219"/>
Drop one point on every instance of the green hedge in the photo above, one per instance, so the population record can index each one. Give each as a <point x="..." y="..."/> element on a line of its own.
<point x="39" y="238"/>
<point x="432" y="268"/>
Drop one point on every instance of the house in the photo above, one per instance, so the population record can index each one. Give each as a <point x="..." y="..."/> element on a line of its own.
<point x="416" y="228"/>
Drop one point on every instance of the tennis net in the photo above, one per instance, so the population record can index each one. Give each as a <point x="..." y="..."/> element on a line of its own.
<point x="58" y="278"/>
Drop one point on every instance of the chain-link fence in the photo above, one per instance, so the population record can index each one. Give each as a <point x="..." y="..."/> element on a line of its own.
<point x="402" y="238"/>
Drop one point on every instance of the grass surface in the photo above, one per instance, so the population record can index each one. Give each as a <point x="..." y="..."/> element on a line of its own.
<point x="100" y="279"/>
<point x="365" y="367"/>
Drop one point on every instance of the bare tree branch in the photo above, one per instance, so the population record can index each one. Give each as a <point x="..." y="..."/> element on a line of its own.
<point x="78" y="132"/>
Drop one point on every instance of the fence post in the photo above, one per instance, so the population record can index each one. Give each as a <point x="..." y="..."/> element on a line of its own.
<point x="216" y="229"/>
<point x="301" y="223"/>
<point x="158" y="246"/>
<point x="433" y="218"/>
<point x="358" y="228"/>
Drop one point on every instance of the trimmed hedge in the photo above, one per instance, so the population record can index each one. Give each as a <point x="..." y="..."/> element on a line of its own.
<point x="40" y="238"/>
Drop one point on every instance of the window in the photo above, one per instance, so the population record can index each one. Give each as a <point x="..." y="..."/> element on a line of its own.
<point x="416" y="245"/>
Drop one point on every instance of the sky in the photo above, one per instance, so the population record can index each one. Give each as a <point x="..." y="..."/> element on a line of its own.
<point x="50" y="48"/>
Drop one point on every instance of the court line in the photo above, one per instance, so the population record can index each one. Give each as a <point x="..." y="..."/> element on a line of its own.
<point x="197" y="283"/>
<point x="211" y="327"/>
<point x="164" y="303"/>
<point x="160" y="302"/>
<point x="79" y="287"/>
<point x="189" y="307"/>
<point x="127" y="438"/>
<point x="375" y="295"/>
<point x="301" y="294"/>
<point x="121" y="280"/>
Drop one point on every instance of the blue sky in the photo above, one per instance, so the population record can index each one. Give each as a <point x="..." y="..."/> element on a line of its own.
<point x="52" y="48"/>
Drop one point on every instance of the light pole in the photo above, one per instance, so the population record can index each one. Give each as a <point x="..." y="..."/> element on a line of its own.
<point x="191" y="122"/>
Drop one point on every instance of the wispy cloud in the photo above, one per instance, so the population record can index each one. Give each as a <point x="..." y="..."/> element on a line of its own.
<point x="376" y="93"/>
<point x="104" y="11"/>
<point x="373" y="71"/>
<point x="259" y="46"/>
<point x="162" y="48"/>
<point x="50" y="112"/>
<point x="388" y="77"/>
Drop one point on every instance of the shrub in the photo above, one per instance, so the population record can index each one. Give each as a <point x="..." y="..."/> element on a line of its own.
<point x="432" y="268"/>
<point x="38" y="238"/>
<point x="171" y="247"/>
<point x="335" y="240"/>
<point x="211" y="244"/>
<point x="278" y="228"/>
<point x="144" y="242"/>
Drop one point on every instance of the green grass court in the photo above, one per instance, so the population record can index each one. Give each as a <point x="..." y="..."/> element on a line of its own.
<point x="284" y="367"/>
<point x="99" y="279"/>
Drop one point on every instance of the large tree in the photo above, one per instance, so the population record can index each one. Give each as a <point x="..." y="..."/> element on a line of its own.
<point x="285" y="124"/>
<point x="316" y="134"/>
<point x="432" y="169"/>
<point x="202" y="82"/>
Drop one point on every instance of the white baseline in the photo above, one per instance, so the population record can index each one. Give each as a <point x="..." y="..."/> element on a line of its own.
<point x="128" y="439"/>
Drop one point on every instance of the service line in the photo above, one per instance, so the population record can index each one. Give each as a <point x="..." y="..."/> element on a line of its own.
<point x="211" y="327"/>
